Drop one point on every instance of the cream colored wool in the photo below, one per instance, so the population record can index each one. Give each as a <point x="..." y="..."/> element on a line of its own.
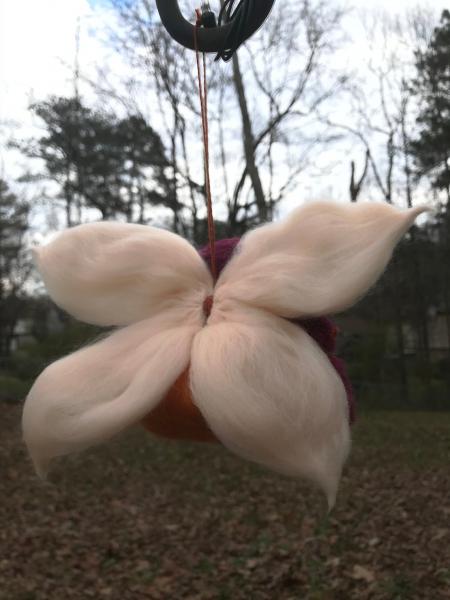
<point x="264" y="386"/>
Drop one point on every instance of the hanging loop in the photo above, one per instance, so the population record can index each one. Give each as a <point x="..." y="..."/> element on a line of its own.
<point x="209" y="39"/>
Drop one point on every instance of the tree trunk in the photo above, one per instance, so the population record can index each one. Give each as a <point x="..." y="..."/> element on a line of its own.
<point x="249" y="143"/>
<point x="395" y="290"/>
<point x="420" y="304"/>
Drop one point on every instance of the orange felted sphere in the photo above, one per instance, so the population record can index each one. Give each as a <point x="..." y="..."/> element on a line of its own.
<point x="176" y="416"/>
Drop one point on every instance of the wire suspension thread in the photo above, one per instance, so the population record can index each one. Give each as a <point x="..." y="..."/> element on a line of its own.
<point x="203" y="93"/>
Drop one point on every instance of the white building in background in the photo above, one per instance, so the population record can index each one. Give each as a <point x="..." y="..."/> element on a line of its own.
<point x="22" y="334"/>
<point x="438" y="327"/>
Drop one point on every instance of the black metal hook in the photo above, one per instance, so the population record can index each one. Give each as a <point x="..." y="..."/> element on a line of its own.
<point x="209" y="40"/>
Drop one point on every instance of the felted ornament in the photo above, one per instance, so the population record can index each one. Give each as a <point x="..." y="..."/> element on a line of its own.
<point x="177" y="417"/>
<point x="247" y="361"/>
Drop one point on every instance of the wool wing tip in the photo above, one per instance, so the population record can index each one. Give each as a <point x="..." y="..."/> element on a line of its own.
<point x="41" y="466"/>
<point x="38" y="257"/>
<point x="40" y="462"/>
<point x="409" y="216"/>
<point x="331" y="502"/>
<point x="35" y="254"/>
<point x="418" y="210"/>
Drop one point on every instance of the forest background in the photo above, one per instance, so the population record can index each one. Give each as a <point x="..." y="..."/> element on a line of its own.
<point x="324" y="102"/>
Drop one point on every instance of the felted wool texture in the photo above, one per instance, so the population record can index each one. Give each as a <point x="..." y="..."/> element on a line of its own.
<point x="275" y="397"/>
<point x="176" y="417"/>
<point x="95" y="393"/>
<point x="265" y="388"/>
<point x="116" y="274"/>
<point x="318" y="261"/>
<point x="321" y="329"/>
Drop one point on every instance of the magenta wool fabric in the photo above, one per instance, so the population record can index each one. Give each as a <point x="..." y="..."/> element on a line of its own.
<point x="322" y="330"/>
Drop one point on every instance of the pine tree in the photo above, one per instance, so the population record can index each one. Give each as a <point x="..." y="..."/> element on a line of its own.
<point x="432" y="148"/>
<point x="100" y="161"/>
<point x="14" y="265"/>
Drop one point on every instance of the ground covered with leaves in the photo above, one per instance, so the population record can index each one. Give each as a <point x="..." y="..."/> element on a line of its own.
<point x="144" y="518"/>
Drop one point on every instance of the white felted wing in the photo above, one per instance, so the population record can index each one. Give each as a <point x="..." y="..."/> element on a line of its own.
<point x="116" y="274"/>
<point x="271" y="395"/>
<point x="319" y="260"/>
<point x="95" y="393"/>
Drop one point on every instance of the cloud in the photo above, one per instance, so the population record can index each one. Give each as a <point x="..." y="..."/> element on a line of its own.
<point x="37" y="54"/>
<point x="37" y="38"/>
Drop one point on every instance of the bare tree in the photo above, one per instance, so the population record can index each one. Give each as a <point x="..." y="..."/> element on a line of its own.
<point x="381" y="120"/>
<point x="357" y="184"/>
<point x="166" y="95"/>
<point x="290" y="81"/>
<point x="272" y="88"/>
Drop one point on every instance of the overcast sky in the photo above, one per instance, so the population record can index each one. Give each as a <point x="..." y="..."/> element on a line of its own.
<point x="37" y="49"/>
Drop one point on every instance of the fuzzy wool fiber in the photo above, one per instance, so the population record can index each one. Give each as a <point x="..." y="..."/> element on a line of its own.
<point x="265" y="384"/>
<point x="321" y="329"/>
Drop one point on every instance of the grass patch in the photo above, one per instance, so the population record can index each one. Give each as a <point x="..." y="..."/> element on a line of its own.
<point x="410" y="439"/>
<point x="13" y="389"/>
<point x="147" y="518"/>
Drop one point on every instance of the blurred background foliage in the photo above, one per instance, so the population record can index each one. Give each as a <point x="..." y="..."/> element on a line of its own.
<point x="273" y="123"/>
